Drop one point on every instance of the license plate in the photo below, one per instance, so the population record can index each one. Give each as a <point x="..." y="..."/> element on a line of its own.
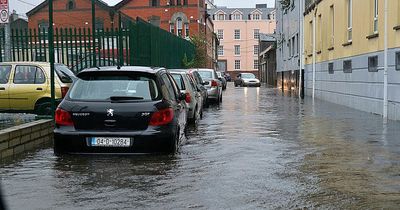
<point x="110" y="142"/>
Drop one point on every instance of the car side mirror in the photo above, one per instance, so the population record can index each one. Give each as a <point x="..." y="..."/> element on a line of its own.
<point x="182" y="96"/>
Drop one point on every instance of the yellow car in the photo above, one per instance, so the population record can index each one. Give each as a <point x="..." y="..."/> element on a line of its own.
<point x="25" y="86"/>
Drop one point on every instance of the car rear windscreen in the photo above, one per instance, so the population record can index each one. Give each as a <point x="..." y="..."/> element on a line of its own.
<point x="110" y="87"/>
<point x="206" y="74"/>
<point x="64" y="73"/>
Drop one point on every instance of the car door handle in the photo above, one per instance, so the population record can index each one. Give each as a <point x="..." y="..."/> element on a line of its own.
<point x="39" y="88"/>
<point x="2" y="88"/>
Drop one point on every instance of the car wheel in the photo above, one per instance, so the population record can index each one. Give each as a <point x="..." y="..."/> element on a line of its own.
<point x="172" y="147"/>
<point x="43" y="107"/>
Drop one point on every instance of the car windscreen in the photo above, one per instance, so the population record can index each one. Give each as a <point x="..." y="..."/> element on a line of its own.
<point x="248" y="76"/>
<point x="64" y="73"/>
<point x="179" y="81"/>
<point x="4" y="74"/>
<point x="115" y="88"/>
<point x="206" y="74"/>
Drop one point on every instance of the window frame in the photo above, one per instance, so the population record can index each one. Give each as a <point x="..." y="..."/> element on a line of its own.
<point x="256" y="49"/>
<point x="376" y="17"/>
<point x="348" y="63"/>
<point x="237" y="64"/>
<point x="256" y="64"/>
<point x="220" y="34"/>
<point x="237" y="36"/>
<point x="34" y="80"/>
<point x="349" y="20"/>
<point x="237" y="50"/>
<point x="256" y="33"/>
<point x="221" y="50"/>
<point x="331" y="68"/>
<point x="9" y="74"/>
<point x="373" y="63"/>
<point x="397" y="60"/>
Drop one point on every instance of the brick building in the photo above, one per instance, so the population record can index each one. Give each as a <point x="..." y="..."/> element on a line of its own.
<point x="71" y="14"/>
<point x="184" y="18"/>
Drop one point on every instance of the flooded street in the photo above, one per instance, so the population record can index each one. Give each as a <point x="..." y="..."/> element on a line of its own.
<point x="259" y="149"/>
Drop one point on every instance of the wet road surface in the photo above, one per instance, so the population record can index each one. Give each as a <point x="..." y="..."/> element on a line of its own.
<point x="258" y="150"/>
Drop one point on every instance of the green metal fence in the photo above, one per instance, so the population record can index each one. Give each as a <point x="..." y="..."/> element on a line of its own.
<point x="2" y="43"/>
<point x="139" y="44"/>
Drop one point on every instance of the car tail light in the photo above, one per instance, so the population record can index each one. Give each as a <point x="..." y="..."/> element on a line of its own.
<point x="63" y="118"/>
<point x="188" y="98"/>
<point x="162" y="117"/>
<point x="64" y="91"/>
<point x="214" y="83"/>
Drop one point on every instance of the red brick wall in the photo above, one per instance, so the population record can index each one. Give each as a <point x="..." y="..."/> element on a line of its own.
<point x="72" y="18"/>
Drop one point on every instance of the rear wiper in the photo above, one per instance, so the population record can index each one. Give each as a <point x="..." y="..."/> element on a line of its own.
<point x="125" y="98"/>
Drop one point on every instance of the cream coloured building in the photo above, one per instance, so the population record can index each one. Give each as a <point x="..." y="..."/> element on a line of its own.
<point x="238" y="31"/>
<point x="349" y="53"/>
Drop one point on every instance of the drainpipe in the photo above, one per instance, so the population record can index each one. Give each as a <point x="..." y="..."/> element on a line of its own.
<point x="314" y="53"/>
<point x="385" y="74"/>
<point x="301" y="45"/>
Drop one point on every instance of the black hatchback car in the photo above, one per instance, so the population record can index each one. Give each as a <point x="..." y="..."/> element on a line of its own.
<point x="121" y="110"/>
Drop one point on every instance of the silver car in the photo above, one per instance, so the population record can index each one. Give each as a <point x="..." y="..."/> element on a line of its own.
<point x="194" y="99"/>
<point x="212" y="83"/>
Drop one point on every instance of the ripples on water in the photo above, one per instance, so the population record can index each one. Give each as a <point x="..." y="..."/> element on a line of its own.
<point x="258" y="150"/>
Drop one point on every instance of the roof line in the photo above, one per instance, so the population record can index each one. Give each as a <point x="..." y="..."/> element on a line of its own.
<point x="101" y="3"/>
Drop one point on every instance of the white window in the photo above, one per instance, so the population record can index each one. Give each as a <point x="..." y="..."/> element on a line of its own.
<point x="221" y="17"/>
<point x="256" y="16"/>
<point x="237" y="16"/>
<point x="256" y="33"/>
<point x="237" y="33"/>
<point x="237" y="64"/>
<point x="187" y="31"/>
<point x="172" y="28"/>
<point x="255" y="64"/>
<point x="220" y="50"/>
<point x="237" y="49"/>
<point x="349" y="20"/>
<point x="220" y="34"/>
<point x="375" y="16"/>
<point x="179" y="27"/>
<point x="256" y="50"/>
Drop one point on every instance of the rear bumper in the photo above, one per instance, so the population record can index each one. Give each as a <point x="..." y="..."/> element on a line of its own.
<point x="213" y="93"/>
<point x="149" y="141"/>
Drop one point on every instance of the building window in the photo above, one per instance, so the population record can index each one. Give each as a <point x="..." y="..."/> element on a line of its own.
<point x="298" y="44"/>
<point x="289" y="45"/>
<point x="172" y="28"/>
<point x="179" y="27"/>
<point x="256" y="33"/>
<point x="256" y="48"/>
<point x="237" y="34"/>
<point x="71" y="5"/>
<point x="237" y="16"/>
<point x="237" y="64"/>
<point x="330" y="68"/>
<point x="311" y="34"/>
<point x="373" y="64"/>
<point x="43" y="27"/>
<point x="256" y="16"/>
<point x="347" y="66"/>
<point x="237" y="49"/>
<point x="172" y="2"/>
<point x="398" y="61"/>
<point x="187" y="31"/>
<point x="220" y="34"/>
<point x="293" y="46"/>
<point x="221" y="17"/>
<point x="185" y="2"/>
<point x="99" y="24"/>
<point x="178" y="2"/>
<point x="221" y="50"/>
<point x="154" y="3"/>
<point x="375" y="16"/>
<point x="255" y="66"/>
<point x="349" y="20"/>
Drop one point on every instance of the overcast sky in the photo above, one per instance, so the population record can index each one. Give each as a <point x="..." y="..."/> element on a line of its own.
<point x="23" y="6"/>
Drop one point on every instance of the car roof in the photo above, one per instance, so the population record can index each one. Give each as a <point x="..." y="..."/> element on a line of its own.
<point x="205" y="69"/>
<point x="28" y="63"/>
<point x="143" y="69"/>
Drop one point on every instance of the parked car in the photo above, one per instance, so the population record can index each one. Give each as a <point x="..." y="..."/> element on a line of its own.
<point x="222" y="79"/>
<point x="25" y="86"/>
<point x="126" y="110"/>
<point x="212" y="83"/>
<point x="194" y="100"/>
<point x="247" y="80"/>
<point x="199" y="82"/>
<point x="227" y="76"/>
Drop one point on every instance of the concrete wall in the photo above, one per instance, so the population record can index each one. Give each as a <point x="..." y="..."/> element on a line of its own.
<point x="360" y="89"/>
<point x="25" y="137"/>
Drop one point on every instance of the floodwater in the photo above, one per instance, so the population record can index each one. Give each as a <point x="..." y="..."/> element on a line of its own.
<point x="258" y="150"/>
<point x="9" y="120"/>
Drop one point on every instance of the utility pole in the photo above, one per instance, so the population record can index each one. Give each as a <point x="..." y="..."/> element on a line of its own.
<point x="314" y="52"/>
<point x="51" y="56"/>
<point x="385" y="74"/>
<point x="301" y="50"/>
<point x="94" y="32"/>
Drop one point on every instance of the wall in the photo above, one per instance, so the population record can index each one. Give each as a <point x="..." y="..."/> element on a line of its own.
<point x="25" y="137"/>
